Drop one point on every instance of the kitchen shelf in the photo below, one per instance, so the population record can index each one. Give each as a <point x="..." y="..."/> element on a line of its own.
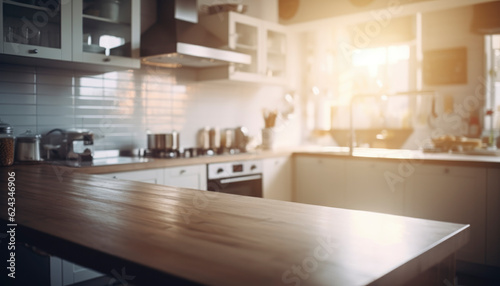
<point x="276" y="53"/>
<point x="29" y="6"/>
<point x="246" y="47"/>
<point x="124" y="30"/>
<point x="101" y="19"/>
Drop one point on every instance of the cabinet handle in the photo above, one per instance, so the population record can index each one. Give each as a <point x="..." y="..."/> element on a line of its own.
<point x="34" y="51"/>
<point x="106" y="60"/>
<point x="114" y="177"/>
<point x="446" y="171"/>
<point x="182" y="172"/>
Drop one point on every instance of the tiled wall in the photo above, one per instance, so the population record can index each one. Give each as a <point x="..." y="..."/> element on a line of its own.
<point x="120" y="106"/>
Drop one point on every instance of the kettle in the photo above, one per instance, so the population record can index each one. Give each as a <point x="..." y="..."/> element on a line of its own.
<point x="28" y="147"/>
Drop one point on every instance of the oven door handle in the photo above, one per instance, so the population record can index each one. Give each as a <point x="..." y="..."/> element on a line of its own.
<point x="240" y="179"/>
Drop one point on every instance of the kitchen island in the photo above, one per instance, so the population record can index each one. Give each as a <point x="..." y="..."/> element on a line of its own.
<point x="158" y="234"/>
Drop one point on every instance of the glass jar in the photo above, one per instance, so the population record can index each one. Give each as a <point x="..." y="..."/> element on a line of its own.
<point x="6" y="145"/>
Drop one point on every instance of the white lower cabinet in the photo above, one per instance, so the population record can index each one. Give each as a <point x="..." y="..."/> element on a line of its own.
<point x="192" y="177"/>
<point x="371" y="186"/>
<point x="277" y="178"/>
<point x="493" y="217"/>
<point x="468" y="195"/>
<point x="320" y="180"/>
<point x="453" y="194"/>
<point x="63" y="273"/>
<point x="153" y="176"/>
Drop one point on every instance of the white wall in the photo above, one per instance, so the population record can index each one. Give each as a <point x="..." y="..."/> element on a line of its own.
<point x="450" y="29"/>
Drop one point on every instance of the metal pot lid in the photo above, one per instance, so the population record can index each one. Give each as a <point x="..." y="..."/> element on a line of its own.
<point x="77" y="131"/>
<point x="5" y="128"/>
<point x="29" y="136"/>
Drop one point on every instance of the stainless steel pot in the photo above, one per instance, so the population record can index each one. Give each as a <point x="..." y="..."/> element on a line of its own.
<point x="28" y="147"/>
<point x="163" y="141"/>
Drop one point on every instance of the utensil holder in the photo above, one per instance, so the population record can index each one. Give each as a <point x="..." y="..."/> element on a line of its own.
<point x="267" y="138"/>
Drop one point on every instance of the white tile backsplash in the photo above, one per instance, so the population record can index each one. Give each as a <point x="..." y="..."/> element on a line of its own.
<point x="121" y="106"/>
<point x="15" y="109"/>
<point x="14" y="88"/>
<point x="12" y="76"/>
<point x="18" y="99"/>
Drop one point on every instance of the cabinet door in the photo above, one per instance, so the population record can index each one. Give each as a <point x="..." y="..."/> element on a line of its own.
<point x="245" y="37"/>
<point x="277" y="178"/>
<point x="320" y="181"/>
<point x="107" y="32"/>
<point x="192" y="177"/>
<point x="274" y="46"/>
<point x="493" y="218"/>
<point x="452" y="194"/>
<point x="74" y="273"/>
<point x="64" y="273"/>
<point x="370" y="188"/>
<point x="153" y="176"/>
<point x="266" y="43"/>
<point x="37" y="29"/>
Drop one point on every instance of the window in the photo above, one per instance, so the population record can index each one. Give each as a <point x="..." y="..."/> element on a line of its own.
<point x="383" y="69"/>
<point x="492" y="118"/>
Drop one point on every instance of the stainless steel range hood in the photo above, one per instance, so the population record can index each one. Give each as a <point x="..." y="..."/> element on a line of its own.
<point x="176" y="40"/>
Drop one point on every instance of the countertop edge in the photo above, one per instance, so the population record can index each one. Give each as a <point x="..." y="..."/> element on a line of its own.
<point x="414" y="156"/>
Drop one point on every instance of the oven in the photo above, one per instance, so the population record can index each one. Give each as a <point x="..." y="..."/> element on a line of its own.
<point x="239" y="178"/>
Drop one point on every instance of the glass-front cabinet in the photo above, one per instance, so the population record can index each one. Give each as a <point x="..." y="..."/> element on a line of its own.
<point x="107" y="32"/>
<point x="99" y="32"/>
<point x="244" y="37"/>
<point x="32" y="28"/>
<point x="264" y="41"/>
<point x="275" y="44"/>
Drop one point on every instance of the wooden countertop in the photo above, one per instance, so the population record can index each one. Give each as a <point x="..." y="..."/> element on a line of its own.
<point x="162" y="234"/>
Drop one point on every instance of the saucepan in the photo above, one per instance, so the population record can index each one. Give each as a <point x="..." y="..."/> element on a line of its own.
<point x="163" y="141"/>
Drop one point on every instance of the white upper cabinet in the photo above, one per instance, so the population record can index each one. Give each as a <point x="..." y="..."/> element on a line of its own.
<point x="107" y="32"/>
<point x="102" y="33"/>
<point x="264" y="41"/>
<point x="37" y="29"/>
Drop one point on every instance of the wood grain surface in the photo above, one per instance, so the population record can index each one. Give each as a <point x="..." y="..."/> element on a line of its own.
<point x="161" y="234"/>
